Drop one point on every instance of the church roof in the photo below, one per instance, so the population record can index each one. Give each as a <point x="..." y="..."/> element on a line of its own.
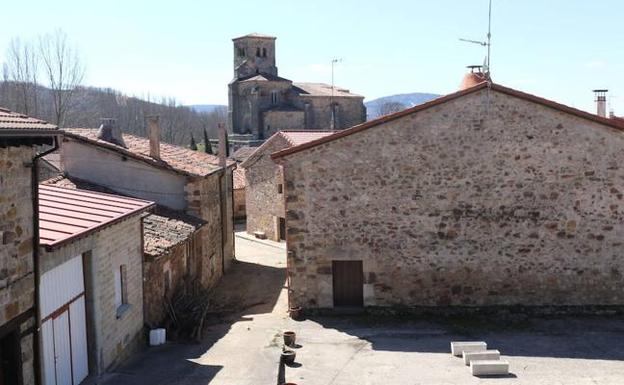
<point x="263" y="78"/>
<point x="255" y="35"/>
<point x="322" y="89"/>
<point x="443" y="99"/>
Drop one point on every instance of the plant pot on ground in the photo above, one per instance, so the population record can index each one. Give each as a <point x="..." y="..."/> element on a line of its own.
<point x="296" y="312"/>
<point x="289" y="338"/>
<point x="288" y="356"/>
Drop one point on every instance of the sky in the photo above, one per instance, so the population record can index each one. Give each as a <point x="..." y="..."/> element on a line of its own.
<point x="558" y="49"/>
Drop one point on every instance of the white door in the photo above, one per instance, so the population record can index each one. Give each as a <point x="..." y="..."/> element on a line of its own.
<point x="63" y="330"/>
<point x="62" y="350"/>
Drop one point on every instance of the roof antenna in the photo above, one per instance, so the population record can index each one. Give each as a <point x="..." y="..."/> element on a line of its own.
<point x="487" y="43"/>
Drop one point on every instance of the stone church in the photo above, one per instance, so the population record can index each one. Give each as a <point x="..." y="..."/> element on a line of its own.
<point x="262" y="103"/>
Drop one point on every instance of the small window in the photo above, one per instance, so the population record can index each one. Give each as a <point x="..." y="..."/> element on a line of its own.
<point x="258" y="52"/>
<point x="274" y="97"/>
<point x="121" y="290"/>
<point x="241" y="52"/>
<point x="263" y="52"/>
<point x="280" y="188"/>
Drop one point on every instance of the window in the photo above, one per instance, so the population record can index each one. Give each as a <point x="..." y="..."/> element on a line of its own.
<point x="258" y="52"/>
<point x="280" y="188"/>
<point x="263" y="52"/>
<point x="241" y="52"/>
<point x="274" y="97"/>
<point x="121" y="290"/>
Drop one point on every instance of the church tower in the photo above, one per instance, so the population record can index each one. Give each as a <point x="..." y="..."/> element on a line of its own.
<point x="254" y="54"/>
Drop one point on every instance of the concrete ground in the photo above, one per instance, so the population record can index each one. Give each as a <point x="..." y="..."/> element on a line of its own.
<point x="244" y="349"/>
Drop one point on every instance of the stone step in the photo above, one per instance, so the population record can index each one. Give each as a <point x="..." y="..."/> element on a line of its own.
<point x="459" y="347"/>
<point x="489" y="367"/>
<point x="490" y="355"/>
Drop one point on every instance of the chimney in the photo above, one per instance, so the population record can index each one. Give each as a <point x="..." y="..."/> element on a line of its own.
<point x="109" y="132"/>
<point x="601" y="102"/>
<point x="222" y="144"/>
<point x="153" y="132"/>
<point x="474" y="77"/>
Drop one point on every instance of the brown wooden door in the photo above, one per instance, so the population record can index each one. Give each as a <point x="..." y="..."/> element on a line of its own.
<point x="348" y="283"/>
<point x="282" y="229"/>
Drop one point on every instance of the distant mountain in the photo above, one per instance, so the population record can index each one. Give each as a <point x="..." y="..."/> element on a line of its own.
<point x="207" y="108"/>
<point x="394" y="103"/>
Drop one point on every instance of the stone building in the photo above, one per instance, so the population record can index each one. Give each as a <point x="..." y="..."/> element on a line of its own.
<point x="21" y="138"/>
<point x="264" y="186"/>
<point x="487" y="196"/>
<point x="239" y="156"/>
<point x="174" y="177"/>
<point x="261" y="103"/>
<point x="91" y="285"/>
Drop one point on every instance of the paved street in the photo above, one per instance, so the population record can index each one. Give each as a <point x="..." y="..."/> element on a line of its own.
<point x="244" y="349"/>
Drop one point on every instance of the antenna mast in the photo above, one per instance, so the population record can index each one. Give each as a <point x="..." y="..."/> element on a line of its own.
<point x="487" y="43"/>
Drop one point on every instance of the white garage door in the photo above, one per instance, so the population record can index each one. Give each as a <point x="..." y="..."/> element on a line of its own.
<point x="63" y="330"/>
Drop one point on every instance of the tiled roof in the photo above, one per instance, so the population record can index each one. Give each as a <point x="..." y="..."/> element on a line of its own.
<point x="65" y="213"/>
<point x="242" y="153"/>
<point x="174" y="158"/>
<point x="239" y="178"/>
<point x="322" y="89"/>
<point x="163" y="228"/>
<point x="443" y="99"/>
<point x="14" y="122"/>
<point x="293" y="138"/>
<point x="263" y="78"/>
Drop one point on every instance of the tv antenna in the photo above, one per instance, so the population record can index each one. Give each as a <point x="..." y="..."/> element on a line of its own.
<point x="487" y="42"/>
<point x="331" y="99"/>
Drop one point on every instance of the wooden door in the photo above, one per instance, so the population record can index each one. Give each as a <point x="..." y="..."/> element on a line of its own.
<point x="62" y="350"/>
<point x="282" y="229"/>
<point x="348" y="280"/>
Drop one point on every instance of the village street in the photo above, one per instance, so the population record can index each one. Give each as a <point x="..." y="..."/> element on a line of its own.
<point x="245" y="349"/>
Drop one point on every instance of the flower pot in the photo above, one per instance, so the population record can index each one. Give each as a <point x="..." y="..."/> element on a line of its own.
<point x="296" y="313"/>
<point x="289" y="338"/>
<point x="288" y="357"/>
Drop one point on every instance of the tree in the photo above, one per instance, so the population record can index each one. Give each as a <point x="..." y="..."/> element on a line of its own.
<point x="21" y="68"/>
<point x="64" y="71"/>
<point x="207" y="145"/>
<point x="193" y="145"/>
<point x="390" y="108"/>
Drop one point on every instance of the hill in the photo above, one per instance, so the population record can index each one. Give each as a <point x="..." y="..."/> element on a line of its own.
<point x="207" y="108"/>
<point x="394" y="103"/>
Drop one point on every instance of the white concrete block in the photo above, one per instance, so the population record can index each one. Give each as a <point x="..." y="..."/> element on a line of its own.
<point x="489" y="367"/>
<point x="490" y="355"/>
<point x="459" y="347"/>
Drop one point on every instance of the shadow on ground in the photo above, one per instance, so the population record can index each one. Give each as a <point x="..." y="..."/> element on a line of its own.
<point x="598" y="338"/>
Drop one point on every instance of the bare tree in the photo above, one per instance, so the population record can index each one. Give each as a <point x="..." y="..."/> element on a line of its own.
<point x="390" y="108"/>
<point x="64" y="70"/>
<point x="21" y="68"/>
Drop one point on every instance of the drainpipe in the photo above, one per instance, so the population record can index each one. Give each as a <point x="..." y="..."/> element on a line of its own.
<point x="36" y="269"/>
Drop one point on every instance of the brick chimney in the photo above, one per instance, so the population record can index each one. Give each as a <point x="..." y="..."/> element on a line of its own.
<point x="601" y="102"/>
<point x="222" y="144"/>
<point x="474" y="77"/>
<point x="109" y="132"/>
<point x="153" y="132"/>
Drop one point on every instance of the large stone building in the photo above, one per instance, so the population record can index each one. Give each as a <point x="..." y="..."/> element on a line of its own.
<point x="261" y="103"/>
<point x="487" y="196"/>
<point x="21" y="138"/>
<point x="264" y="185"/>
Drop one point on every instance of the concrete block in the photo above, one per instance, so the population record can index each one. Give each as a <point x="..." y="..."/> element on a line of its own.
<point x="459" y="347"/>
<point x="260" y="234"/>
<point x="490" y="355"/>
<point x="489" y="367"/>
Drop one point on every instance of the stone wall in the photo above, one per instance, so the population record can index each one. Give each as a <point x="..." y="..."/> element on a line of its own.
<point x="264" y="203"/>
<point x="349" y="111"/>
<point x="17" y="283"/>
<point x="114" y="338"/>
<point x="240" y="211"/>
<point x="205" y="201"/>
<point x="483" y="200"/>
<point x="277" y="120"/>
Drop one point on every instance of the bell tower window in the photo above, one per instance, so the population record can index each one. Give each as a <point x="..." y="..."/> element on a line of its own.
<point x="258" y="52"/>
<point x="241" y="52"/>
<point x="274" y="97"/>
<point x="263" y="52"/>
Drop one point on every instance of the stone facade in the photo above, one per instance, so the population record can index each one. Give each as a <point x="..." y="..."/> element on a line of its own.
<point x="264" y="202"/>
<point x="261" y="103"/>
<point x="112" y="338"/>
<point x="240" y="203"/>
<point x="17" y="282"/>
<point x="487" y="198"/>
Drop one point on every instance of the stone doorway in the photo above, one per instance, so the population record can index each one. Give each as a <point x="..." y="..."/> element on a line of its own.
<point x="348" y="283"/>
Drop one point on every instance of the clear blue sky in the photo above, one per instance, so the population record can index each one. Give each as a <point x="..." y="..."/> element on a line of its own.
<point x="559" y="49"/>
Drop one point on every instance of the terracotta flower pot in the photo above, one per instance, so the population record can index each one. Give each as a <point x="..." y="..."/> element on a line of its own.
<point x="289" y="338"/>
<point x="296" y="313"/>
<point x="288" y="356"/>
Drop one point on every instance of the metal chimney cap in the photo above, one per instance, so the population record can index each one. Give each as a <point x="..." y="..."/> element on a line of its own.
<point x="109" y="132"/>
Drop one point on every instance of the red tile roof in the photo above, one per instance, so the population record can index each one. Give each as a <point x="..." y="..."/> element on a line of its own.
<point x="443" y="99"/>
<point x="175" y="158"/>
<point x="13" y="122"/>
<point x="322" y="89"/>
<point x="65" y="213"/>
